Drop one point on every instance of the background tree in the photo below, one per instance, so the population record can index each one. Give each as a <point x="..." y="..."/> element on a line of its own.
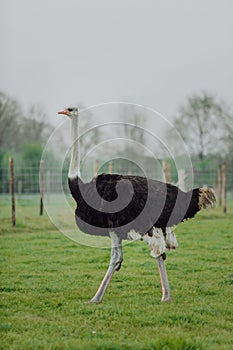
<point x="22" y="135"/>
<point x="10" y="117"/>
<point x="31" y="154"/>
<point x="201" y="121"/>
<point x="18" y="127"/>
<point x="228" y="137"/>
<point x="135" y="131"/>
<point x="34" y="127"/>
<point x="91" y="133"/>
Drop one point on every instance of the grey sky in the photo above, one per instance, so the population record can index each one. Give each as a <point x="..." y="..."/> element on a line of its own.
<point x="156" y="53"/>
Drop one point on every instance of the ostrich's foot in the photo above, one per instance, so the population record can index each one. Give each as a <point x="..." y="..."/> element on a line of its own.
<point x="93" y="301"/>
<point x="166" y="299"/>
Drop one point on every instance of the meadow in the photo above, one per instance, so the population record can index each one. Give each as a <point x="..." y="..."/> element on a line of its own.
<point x="46" y="279"/>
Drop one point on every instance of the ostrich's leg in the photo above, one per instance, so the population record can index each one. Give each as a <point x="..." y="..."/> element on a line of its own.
<point x="155" y="240"/>
<point x="163" y="279"/>
<point x="115" y="264"/>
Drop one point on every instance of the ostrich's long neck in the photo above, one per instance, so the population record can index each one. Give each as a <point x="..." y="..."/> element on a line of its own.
<point x="74" y="169"/>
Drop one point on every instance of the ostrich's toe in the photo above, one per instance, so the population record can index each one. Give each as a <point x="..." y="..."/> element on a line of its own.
<point x="166" y="299"/>
<point x="93" y="301"/>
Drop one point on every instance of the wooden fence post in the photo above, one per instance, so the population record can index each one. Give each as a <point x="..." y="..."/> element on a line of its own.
<point x="12" y="190"/>
<point x="96" y="168"/>
<point x="219" y="186"/>
<point x="168" y="173"/>
<point x="166" y="167"/>
<point x="181" y="179"/>
<point x="164" y="170"/>
<point x="110" y="167"/>
<point x="224" y="190"/>
<point x="41" y="186"/>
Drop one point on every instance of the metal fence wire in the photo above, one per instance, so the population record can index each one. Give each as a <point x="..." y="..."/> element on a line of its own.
<point x="26" y="177"/>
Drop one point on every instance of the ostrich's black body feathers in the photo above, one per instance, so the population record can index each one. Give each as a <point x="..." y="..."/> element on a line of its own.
<point x="152" y="203"/>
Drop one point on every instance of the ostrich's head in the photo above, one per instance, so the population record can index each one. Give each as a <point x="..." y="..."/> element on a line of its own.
<point x="70" y="112"/>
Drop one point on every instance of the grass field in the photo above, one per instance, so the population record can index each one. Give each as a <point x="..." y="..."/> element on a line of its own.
<point x="46" y="278"/>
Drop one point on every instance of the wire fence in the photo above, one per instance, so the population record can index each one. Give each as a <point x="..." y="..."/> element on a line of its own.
<point x="26" y="177"/>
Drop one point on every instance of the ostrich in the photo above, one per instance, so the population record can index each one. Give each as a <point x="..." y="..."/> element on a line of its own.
<point x="130" y="207"/>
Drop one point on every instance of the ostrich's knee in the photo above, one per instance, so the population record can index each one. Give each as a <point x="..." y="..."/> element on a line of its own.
<point x="156" y="242"/>
<point x="170" y="239"/>
<point x="118" y="265"/>
<point x="116" y="258"/>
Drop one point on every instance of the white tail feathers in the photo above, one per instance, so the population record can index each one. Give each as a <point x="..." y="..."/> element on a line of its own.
<point x="206" y="198"/>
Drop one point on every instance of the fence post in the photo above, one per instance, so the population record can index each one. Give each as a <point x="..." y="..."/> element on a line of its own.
<point x="224" y="190"/>
<point x="166" y="167"/>
<point x="164" y="170"/>
<point x="168" y="173"/>
<point x="181" y="179"/>
<point x="110" y="167"/>
<point x="12" y="190"/>
<point x="41" y="186"/>
<point x="96" y="168"/>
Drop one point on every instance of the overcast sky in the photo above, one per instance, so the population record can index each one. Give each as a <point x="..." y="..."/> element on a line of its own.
<point x="58" y="53"/>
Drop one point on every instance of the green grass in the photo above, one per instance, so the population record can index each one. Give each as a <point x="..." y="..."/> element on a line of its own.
<point x="46" y="278"/>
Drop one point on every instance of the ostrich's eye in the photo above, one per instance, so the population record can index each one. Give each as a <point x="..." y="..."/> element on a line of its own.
<point x="70" y="109"/>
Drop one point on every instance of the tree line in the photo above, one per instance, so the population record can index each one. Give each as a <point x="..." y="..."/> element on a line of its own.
<point x="22" y="134"/>
<point x="206" y="126"/>
<point x="204" y="122"/>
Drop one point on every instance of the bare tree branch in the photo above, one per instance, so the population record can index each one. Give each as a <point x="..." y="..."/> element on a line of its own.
<point x="202" y="121"/>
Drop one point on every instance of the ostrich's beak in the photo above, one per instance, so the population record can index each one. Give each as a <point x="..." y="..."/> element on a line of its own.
<point x="66" y="112"/>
